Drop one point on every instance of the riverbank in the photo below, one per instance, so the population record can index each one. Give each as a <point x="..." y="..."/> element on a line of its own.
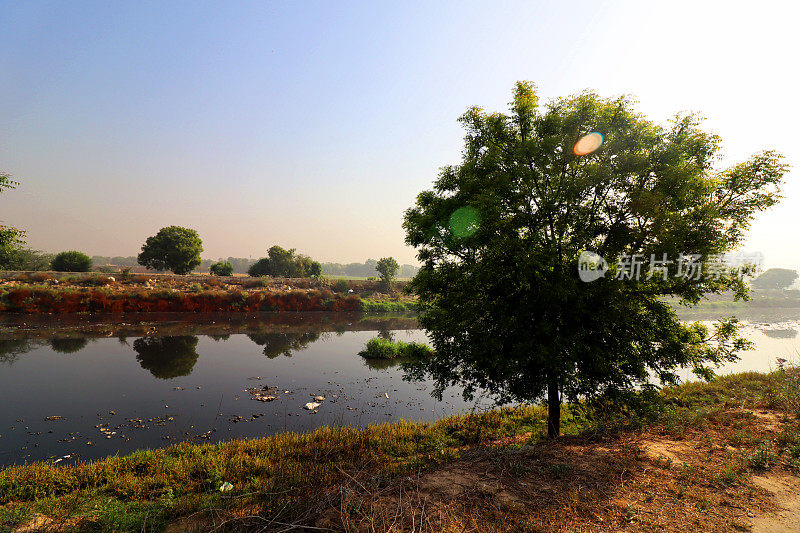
<point x="711" y="457"/>
<point x="61" y="293"/>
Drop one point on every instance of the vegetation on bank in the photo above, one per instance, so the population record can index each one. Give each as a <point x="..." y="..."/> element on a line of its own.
<point x="303" y="478"/>
<point x="43" y="299"/>
<point x="58" y="294"/>
<point x="380" y="348"/>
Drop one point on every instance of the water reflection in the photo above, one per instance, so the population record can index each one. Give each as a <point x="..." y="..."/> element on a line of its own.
<point x="780" y="333"/>
<point x="11" y="349"/>
<point x="283" y="343"/>
<point x="68" y="345"/>
<point x="382" y="364"/>
<point x="167" y="357"/>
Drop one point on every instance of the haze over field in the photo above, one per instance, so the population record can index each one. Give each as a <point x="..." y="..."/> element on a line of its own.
<point x="314" y="126"/>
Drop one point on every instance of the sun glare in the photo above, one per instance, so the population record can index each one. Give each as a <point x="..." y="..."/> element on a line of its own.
<point x="588" y="143"/>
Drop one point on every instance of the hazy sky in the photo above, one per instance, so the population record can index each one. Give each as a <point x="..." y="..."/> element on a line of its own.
<point x="315" y="125"/>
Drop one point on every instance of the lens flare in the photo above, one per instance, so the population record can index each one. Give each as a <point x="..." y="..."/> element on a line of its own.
<point x="464" y="221"/>
<point x="588" y="143"/>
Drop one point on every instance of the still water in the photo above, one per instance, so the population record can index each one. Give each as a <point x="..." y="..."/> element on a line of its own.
<point x="87" y="391"/>
<point x="76" y="388"/>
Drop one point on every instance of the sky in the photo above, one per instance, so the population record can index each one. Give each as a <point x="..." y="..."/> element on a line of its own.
<point x="314" y="125"/>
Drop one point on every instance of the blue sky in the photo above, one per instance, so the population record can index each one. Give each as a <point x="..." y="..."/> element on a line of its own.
<point x="314" y="124"/>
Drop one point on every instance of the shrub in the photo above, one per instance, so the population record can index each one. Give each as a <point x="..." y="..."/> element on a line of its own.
<point x="380" y="348"/>
<point x="285" y="263"/>
<point x="96" y="281"/>
<point x="259" y="268"/>
<point x="223" y="268"/>
<point x="71" y="261"/>
<point x="341" y="286"/>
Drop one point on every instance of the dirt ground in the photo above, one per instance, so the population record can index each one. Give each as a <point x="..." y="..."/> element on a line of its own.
<point x="640" y="482"/>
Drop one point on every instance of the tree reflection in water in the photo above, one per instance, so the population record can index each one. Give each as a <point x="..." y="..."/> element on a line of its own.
<point x="11" y="349"/>
<point x="68" y="344"/>
<point x="284" y="343"/>
<point x="781" y="333"/>
<point x="167" y="357"/>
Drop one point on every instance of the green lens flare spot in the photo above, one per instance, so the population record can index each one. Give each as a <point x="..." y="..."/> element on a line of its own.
<point x="464" y="221"/>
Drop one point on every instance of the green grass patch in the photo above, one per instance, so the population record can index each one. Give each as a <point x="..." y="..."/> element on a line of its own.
<point x="380" y="348"/>
<point x="388" y="306"/>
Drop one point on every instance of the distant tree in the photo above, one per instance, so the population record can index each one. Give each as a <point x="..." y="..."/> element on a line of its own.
<point x="500" y="235"/>
<point x="223" y="268"/>
<point x="387" y="267"/>
<point x="71" y="261"/>
<point x="775" y="278"/>
<point x="172" y="248"/>
<point x="285" y="263"/>
<point x="260" y="268"/>
<point x="308" y="267"/>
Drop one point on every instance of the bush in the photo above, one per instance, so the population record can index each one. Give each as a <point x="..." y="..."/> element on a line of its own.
<point x="380" y="348"/>
<point x="341" y="286"/>
<point x="223" y="268"/>
<point x="259" y="268"/>
<point x="71" y="261"/>
<point x="286" y="264"/>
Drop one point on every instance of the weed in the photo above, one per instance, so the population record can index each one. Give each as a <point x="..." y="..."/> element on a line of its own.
<point x="764" y="457"/>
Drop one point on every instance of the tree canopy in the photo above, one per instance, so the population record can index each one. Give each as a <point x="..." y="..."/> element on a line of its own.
<point x="775" y="278"/>
<point x="285" y="263"/>
<point x="222" y="268"/>
<point x="172" y="248"/>
<point x="11" y="239"/>
<point x="387" y="267"/>
<point x="500" y="236"/>
<point x="71" y="261"/>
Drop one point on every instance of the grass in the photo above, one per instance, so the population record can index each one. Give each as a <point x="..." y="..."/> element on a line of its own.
<point x="296" y="478"/>
<point x="285" y="474"/>
<point x="397" y="307"/>
<point x="380" y="348"/>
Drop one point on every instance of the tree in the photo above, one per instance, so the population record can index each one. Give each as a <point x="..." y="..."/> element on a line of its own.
<point x="71" y="261"/>
<point x="500" y="235"/>
<point x="285" y="263"/>
<point x="222" y="268"/>
<point x="11" y="239"/>
<point x="172" y="248"/>
<point x="387" y="267"/>
<point x="775" y="278"/>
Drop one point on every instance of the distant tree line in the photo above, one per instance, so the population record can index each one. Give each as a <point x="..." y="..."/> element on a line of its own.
<point x="241" y="265"/>
<point x="364" y="270"/>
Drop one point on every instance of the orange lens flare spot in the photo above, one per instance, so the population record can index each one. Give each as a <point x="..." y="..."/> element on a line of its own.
<point x="588" y="143"/>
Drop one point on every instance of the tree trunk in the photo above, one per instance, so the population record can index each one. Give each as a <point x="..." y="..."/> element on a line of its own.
<point x="553" y="408"/>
